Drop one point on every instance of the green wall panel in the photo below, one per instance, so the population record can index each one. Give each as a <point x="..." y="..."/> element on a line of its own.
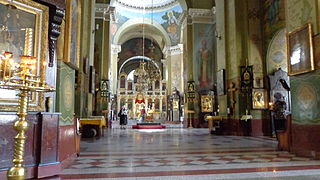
<point x="65" y="93"/>
<point x="305" y="91"/>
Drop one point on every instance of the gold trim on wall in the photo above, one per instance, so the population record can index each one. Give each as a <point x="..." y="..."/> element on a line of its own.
<point x="40" y="46"/>
<point x="310" y="59"/>
<point x="68" y="33"/>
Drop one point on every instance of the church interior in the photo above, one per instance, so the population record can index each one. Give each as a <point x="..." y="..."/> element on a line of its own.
<point x="159" y="89"/>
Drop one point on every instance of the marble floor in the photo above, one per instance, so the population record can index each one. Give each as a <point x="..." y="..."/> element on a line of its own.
<point x="186" y="154"/>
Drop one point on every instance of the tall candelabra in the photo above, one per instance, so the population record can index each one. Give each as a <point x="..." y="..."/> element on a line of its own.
<point x="22" y="77"/>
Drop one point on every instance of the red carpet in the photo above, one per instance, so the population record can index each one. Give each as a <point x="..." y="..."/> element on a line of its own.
<point x="148" y="127"/>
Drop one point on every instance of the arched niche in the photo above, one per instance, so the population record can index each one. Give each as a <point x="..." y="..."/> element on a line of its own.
<point x="277" y="52"/>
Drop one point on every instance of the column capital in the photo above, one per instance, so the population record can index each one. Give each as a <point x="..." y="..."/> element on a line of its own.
<point x="115" y="49"/>
<point x="105" y="12"/>
<point x="201" y="16"/>
<point x="174" y="50"/>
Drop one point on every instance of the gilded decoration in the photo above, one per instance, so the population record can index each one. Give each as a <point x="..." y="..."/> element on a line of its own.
<point x="259" y="99"/>
<point x="24" y="31"/>
<point x="206" y="104"/>
<point x="300" y="50"/>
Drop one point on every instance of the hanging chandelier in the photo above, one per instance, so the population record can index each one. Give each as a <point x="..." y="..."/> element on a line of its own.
<point x="153" y="71"/>
<point x="147" y="72"/>
<point x="142" y="77"/>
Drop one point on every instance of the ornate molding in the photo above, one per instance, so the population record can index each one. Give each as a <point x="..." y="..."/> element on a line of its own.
<point x="154" y="6"/>
<point x="175" y="50"/>
<point x="115" y="49"/>
<point x="201" y="15"/>
<point x="56" y="14"/>
<point x="105" y="12"/>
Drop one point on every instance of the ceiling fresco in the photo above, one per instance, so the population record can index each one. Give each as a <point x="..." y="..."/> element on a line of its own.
<point x="169" y="18"/>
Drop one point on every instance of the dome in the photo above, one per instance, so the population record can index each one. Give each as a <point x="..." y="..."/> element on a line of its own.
<point x="147" y="4"/>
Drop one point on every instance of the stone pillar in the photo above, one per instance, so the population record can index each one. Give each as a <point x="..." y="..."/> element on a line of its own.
<point x="103" y="16"/>
<point x="113" y="69"/>
<point x="83" y="97"/>
<point x="197" y="18"/>
<point x="175" y="54"/>
<point x="220" y="34"/>
<point x="160" y="104"/>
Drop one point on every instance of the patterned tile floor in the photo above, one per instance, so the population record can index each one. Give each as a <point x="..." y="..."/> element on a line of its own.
<point x="177" y="153"/>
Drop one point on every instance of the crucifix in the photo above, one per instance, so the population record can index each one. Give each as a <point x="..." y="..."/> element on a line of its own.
<point x="232" y="90"/>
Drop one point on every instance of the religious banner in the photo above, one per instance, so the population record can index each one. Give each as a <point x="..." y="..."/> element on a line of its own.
<point x="203" y="56"/>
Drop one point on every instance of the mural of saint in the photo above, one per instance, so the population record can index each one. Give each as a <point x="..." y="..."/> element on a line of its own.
<point x="204" y="60"/>
<point x="172" y="27"/>
<point x="273" y="11"/>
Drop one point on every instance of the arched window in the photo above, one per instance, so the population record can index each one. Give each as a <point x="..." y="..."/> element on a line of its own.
<point x="129" y="85"/>
<point x="122" y="82"/>
<point x="164" y="105"/>
<point x="157" y="84"/>
<point x="164" y="87"/>
<point x="157" y="105"/>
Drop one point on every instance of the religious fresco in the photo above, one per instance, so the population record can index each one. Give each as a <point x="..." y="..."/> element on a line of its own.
<point x="171" y="25"/>
<point x="306" y="97"/>
<point x="277" y="52"/>
<point x="274" y="17"/>
<point x="203" y="56"/>
<point x="169" y="20"/>
<point x="301" y="12"/>
<point x="134" y="47"/>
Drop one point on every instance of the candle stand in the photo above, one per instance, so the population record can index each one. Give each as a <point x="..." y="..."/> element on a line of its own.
<point x="22" y="77"/>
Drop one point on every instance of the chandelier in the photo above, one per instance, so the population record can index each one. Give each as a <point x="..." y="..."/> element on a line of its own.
<point x="153" y="71"/>
<point x="142" y="77"/>
<point x="147" y="72"/>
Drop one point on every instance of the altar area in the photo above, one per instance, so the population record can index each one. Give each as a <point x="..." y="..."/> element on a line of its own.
<point x="153" y="100"/>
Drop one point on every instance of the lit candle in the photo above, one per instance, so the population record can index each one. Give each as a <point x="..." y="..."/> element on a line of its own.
<point x="7" y="57"/>
<point x="24" y="64"/>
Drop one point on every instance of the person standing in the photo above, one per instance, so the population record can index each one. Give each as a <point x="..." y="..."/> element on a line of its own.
<point x="143" y="113"/>
<point x="279" y="109"/>
<point x="123" y="114"/>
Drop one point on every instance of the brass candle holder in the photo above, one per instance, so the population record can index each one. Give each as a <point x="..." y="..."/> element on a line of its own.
<point x="22" y="77"/>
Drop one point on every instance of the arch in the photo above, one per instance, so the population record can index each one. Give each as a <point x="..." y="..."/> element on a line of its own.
<point x="132" y="23"/>
<point x="183" y="4"/>
<point x="138" y="58"/>
<point x="277" y="52"/>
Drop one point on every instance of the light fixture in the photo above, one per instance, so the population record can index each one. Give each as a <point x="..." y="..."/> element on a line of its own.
<point x="23" y="77"/>
<point x="152" y="69"/>
<point x="141" y="73"/>
<point x="147" y="72"/>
